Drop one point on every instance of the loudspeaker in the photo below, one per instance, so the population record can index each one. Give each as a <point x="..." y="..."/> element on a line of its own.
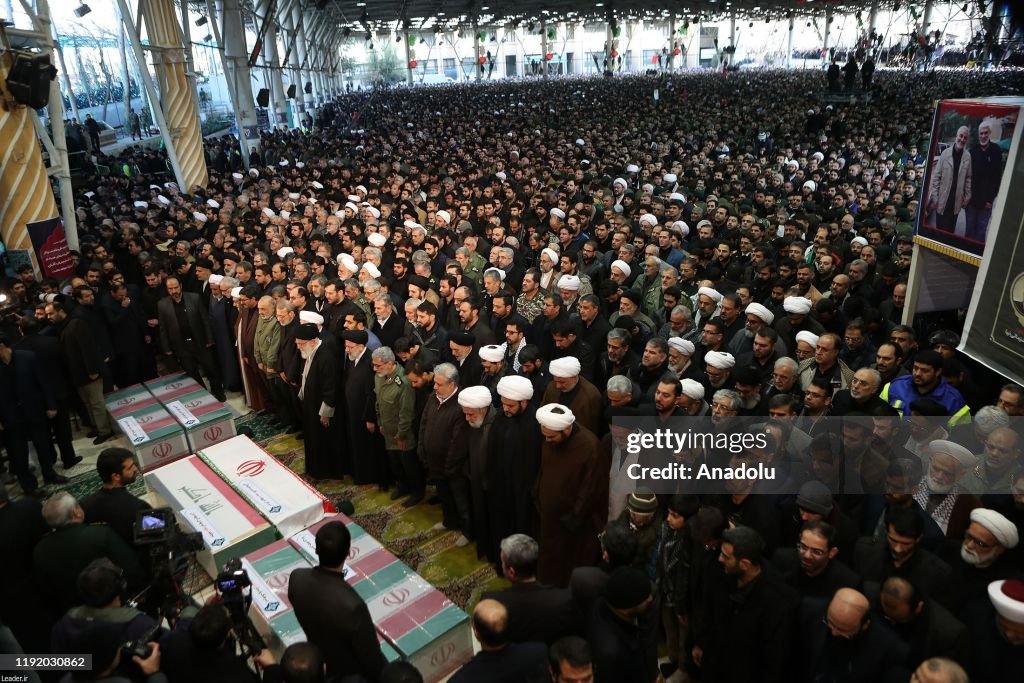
<point x="308" y="89"/>
<point x="291" y="91"/>
<point x="29" y="79"/>
<point x="263" y="97"/>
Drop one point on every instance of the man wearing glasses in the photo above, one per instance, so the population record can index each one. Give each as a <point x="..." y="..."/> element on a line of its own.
<point x="983" y="556"/>
<point x="811" y="566"/>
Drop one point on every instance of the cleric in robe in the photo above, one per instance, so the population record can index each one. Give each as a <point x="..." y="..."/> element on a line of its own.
<point x="319" y="396"/>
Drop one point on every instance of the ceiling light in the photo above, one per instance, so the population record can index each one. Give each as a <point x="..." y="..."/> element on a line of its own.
<point x="201" y="21"/>
<point x="82" y="10"/>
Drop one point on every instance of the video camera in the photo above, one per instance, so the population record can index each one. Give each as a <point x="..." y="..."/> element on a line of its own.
<point x="139" y="647"/>
<point x="231" y="584"/>
<point x="171" y="551"/>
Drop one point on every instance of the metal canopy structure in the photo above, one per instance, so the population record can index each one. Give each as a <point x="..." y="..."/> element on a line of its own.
<point x="372" y="16"/>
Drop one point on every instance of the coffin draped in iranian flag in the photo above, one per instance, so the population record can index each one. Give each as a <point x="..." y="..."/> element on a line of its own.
<point x="280" y="495"/>
<point x="167" y="388"/>
<point x="417" y="619"/>
<point x="270" y="570"/>
<point x="204" y="502"/>
<point x="154" y="435"/>
<point x="206" y="420"/>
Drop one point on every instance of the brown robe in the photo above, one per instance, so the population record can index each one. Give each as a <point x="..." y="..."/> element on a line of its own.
<point x="254" y="379"/>
<point x="584" y="401"/>
<point x="570" y="480"/>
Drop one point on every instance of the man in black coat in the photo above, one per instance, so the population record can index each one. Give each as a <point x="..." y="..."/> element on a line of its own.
<point x="26" y="405"/>
<point x="535" y="611"/>
<point x="48" y="354"/>
<point x="319" y="397"/>
<point x="841" y="642"/>
<point x="749" y="612"/>
<point x="285" y="387"/>
<point x="442" y="445"/>
<point x="623" y="642"/>
<point x="388" y="325"/>
<point x="369" y="466"/>
<point x="185" y="333"/>
<point x="926" y="627"/>
<point x="501" y="659"/>
<point x="112" y="504"/>
<point x="85" y="367"/>
<point x="331" y="613"/>
<point x="811" y="568"/>
<point x="899" y="554"/>
<point x="202" y="650"/>
<point x="126" y="319"/>
<point x="21" y="527"/>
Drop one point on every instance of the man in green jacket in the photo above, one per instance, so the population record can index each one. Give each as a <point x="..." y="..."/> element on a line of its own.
<point x="396" y="410"/>
<point x="268" y="338"/>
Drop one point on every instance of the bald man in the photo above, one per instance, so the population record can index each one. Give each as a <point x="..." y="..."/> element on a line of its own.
<point x="498" y="659"/>
<point x="939" y="670"/>
<point x="844" y="643"/>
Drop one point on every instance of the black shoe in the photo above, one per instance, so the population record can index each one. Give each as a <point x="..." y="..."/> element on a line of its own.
<point x="668" y="669"/>
<point x="92" y="434"/>
<point x="220" y="397"/>
<point x="434" y="500"/>
<point x="399" y="493"/>
<point x="58" y="479"/>
<point x="346" y="507"/>
<point x="102" y="438"/>
<point x="69" y="465"/>
<point x="413" y="501"/>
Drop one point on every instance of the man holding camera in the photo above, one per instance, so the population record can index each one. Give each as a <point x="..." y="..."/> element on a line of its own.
<point x="331" y="613"/>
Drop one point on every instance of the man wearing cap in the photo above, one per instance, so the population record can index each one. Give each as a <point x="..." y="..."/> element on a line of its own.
<point x="997" y="632"/>
<point x="569" y="388"/>
<point x="568" y="495"/>
<point x="319" y="396"/>
<point x="185" y="334"/>
<point x="925" y="381"/>
<point x="624" y="643"/>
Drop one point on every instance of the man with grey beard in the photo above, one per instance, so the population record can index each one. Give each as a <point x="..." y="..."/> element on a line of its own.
<point x="862" y="396"/>
<point x="950" y="190"/>
<point x="940" y="494"/>
<point x="478" y="409"/>
<point x="983" y="558"/>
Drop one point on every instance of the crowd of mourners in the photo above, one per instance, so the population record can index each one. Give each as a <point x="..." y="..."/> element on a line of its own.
<point x="461" y="295"/>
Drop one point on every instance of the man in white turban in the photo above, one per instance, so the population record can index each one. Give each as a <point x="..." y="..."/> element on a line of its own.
<point x="718" y="366"/>
<point x="940" y="494"/>
<point x="997" y="633"/>
<point x="708" y="302"/>
<point x="692" y="398"/>
<point x="568" y="387"/>
<point x="572" y="494"/>
<point x="492" y="359"/>
<point x="989" y="535"/>
<point x="477" y="407"/>
<point x="620" y="272"/>
<point x="680" y="357"/>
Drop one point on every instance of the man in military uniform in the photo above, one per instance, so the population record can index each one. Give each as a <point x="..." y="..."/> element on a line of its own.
<point x="396" y="412"/>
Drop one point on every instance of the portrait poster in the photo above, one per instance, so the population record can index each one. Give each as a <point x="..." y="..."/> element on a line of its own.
<point x="967" y="159"/>
<point x="994" y="329"/>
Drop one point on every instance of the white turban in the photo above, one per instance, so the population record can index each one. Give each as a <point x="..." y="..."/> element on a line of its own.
<point x="253" y="172"/>
<point x="286" y="214"/>
<point x="1006" y="596"/>
<point x="348" y="263"/>
<point x="670" y="178"/>
<point x="682" y="227"/>
<point x="693" y="388"/>
<point x="155" y="187"/>
<point x="411" y="224"/>
<point x="859" y="240"/>
<point x="475" y="397"/>
<point x="569" y="366"/>
<point x="555" y="416"/>
<point x="999" y="526"/>
<point x="719" y="359"/>
<point x="632" y="168"/>
<point x="171" y="185"/>
<point x="552" y="254"/>
<point x="579" y="141"/>
<point x="283" y="162"/>
<point x="954" y="450"/>
<point x="361" y="188"/>
<point x="649" y="218"/>
<point x="163" y="200"/>
<point x="376" y="239"/>
<point x="558" y="213"/>
<point x="372" y="270"/>
<point x="236" y="292"/>
<point x="811" y="185"/>
<point x="713" y="294"/>
<point x="623" y="266"/>
<point x="268" y="212"/>
<point x="797" y="304"/>
<point x="677" y="197"/>
<point x="492" y="353"/>
<point x="515" y="388"/>
<point x="619" y="181"/>
<point x="141" y="205"/>
<point x="761" y="312"/>
<point x="300" y="164"/>
<point x="212" y="203"/>
<point x="284" y="251"/>
<point x="500" y="175"/>
<point x="201" y="217"/>
<point x="215" y="279"/>
<point x="311" y="317"/>
<point x="682" y="345"/>
<point x="354" y="198"/>
<point x="444" y="216"/>
<point x="497" y="271"/>
<point x="374" y="211"/>
<point x="317" y="185"/>
<point x="570" y="283"/>
<point x="808" y="338"/>
<point x="354" y="207"/>
<point x="89" y="195"/>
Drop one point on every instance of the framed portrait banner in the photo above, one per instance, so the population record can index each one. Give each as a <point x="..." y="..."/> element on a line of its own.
<point x="966" y="167"/>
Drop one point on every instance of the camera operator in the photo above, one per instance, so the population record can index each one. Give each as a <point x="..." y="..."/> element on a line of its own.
<point x="113" y="505"/>
<point x="103" y="642"/>
<point x="202" y="650"/>
<point x="62" y="554"/>
<point x="101" y="586"/>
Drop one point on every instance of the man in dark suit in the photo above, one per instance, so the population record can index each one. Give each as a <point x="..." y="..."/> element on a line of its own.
<point x="500" y="659"/>
<point x="925" y="626"/>
<point x="368" y="464"/>
<point x="389" y="325"/>
<point x="319" y="398"/>
<point x="284" y="388"/>
<point x="842" y="642"/>
<point x="127" y="322"/>
<point x="899" y="554"/>
<point x="185" y="334"/>
<point x="27" y="403"/>
<point x="535" y="611"/>
<point x="331" y="613"/>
